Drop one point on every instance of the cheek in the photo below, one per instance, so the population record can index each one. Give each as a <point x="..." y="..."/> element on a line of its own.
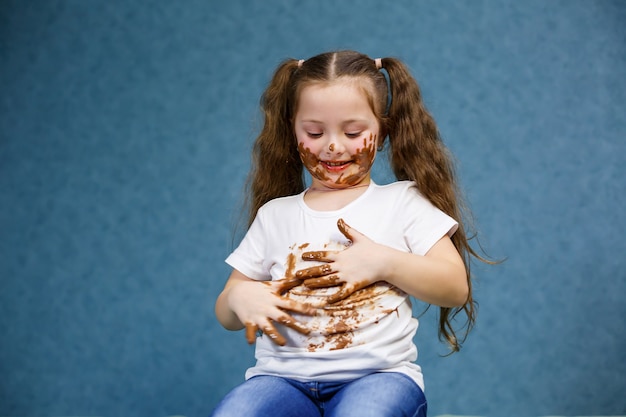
<point x="365" y="154"/>
<point x="306" y="155"/>
<point x="307" y="143"/>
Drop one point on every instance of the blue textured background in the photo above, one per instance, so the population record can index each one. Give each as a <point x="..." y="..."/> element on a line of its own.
<point x="125" y="131"/>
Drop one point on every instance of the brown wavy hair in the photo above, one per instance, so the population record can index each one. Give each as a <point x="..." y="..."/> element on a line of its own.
<point x="416" y="151"/>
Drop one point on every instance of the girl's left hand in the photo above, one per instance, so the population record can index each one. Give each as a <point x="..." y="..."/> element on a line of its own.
<point x="352" y="269"/>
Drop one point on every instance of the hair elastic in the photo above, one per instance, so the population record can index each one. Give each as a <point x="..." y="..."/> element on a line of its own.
<point x="379" y="63"/>
<point x="300" y="62"/>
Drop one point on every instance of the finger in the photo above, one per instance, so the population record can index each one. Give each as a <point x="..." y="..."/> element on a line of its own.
<point x="314" y="271"/>
<point x="251" y="330"/>
<point x="297" y="307"/>
<point x="345" y="229"/>
<point x="273" y="334"/>
<point x="293" y="324"/>
<point x="342" y="294"/>
<point x="320" y="255"/>
<point x="285" y="285"/>
<point x="323" y="282"/>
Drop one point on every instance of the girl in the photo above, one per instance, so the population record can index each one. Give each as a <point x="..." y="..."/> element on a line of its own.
<point x="322" y="279"/>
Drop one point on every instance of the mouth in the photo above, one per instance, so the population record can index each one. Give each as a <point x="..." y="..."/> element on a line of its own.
<point x="335" y="166"/>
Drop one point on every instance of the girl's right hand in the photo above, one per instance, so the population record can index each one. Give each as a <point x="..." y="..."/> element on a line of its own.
<point x="259" y="305"/>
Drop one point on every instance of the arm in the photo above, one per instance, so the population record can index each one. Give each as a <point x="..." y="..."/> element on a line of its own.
<point x="225" y="315"/>
<point x="439" y="277"/>
<point x="257" y="305"/>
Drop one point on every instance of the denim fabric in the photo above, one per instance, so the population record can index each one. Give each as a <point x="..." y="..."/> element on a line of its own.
<point x="382" y="394"/>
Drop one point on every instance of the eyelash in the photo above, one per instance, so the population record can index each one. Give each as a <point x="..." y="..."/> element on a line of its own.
<point x="319" y="135"/>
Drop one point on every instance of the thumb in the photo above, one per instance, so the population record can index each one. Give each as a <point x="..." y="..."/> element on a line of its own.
<point x="350" y="233"/>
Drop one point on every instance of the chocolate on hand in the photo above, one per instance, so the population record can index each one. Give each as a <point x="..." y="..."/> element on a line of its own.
<point x="252" y="330"/>
<point x="325" y="275"/>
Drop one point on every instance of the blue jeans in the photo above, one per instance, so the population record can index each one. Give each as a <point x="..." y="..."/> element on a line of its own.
<point x="383" y="394"/>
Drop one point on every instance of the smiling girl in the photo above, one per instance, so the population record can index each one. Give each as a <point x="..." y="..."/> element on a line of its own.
<point x="323" y="278"/>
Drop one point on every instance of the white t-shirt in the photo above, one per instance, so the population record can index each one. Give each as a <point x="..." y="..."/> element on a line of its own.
<point x="373" y="329"/>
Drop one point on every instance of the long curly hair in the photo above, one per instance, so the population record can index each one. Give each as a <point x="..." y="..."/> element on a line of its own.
<point x="416" y="150"/>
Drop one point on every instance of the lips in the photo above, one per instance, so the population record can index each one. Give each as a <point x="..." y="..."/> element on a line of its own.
<point x="335" y="165"/>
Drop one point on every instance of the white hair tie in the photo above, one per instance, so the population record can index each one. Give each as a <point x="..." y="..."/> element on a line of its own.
<point x="379" y="63"/>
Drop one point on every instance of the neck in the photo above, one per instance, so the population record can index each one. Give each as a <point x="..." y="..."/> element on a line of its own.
<point x="313" y="188"/>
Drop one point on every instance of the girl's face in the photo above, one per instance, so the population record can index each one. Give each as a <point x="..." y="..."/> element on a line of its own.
<point x="337" y="134"/>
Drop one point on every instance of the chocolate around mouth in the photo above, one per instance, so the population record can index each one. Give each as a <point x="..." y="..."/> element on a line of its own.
<point x="336" y="164"/>
<point x="323" y="170"/>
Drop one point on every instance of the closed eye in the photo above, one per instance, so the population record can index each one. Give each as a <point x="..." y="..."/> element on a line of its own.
<point x="314" y="135"/>
<point x="353" y="135"/>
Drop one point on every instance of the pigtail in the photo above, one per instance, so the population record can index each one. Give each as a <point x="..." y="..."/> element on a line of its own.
<point x="417" y="153"/>
<point x="276" y="167"/>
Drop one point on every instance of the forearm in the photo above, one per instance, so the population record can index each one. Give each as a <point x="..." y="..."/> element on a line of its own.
<point x="227" y="318"/>
<point x="439" y="278"/>
<point x="223" y="311"/>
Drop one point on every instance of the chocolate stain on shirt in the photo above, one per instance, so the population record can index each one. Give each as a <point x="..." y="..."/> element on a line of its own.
<point x="344" y="317"/>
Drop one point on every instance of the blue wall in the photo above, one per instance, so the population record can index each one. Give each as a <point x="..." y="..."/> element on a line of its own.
<point x="125" y="130"/>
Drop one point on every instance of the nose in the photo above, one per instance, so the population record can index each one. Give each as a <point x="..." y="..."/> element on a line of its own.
<point x="333" y="144"/>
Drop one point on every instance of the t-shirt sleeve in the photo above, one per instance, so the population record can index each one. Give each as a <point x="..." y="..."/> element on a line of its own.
<point x="426" y="224"/>
<point x="249" y="255"/>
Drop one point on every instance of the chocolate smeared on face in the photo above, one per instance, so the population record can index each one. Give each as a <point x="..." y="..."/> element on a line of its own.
<point x="311" y="163"/>
<point x="363" y="160"/>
